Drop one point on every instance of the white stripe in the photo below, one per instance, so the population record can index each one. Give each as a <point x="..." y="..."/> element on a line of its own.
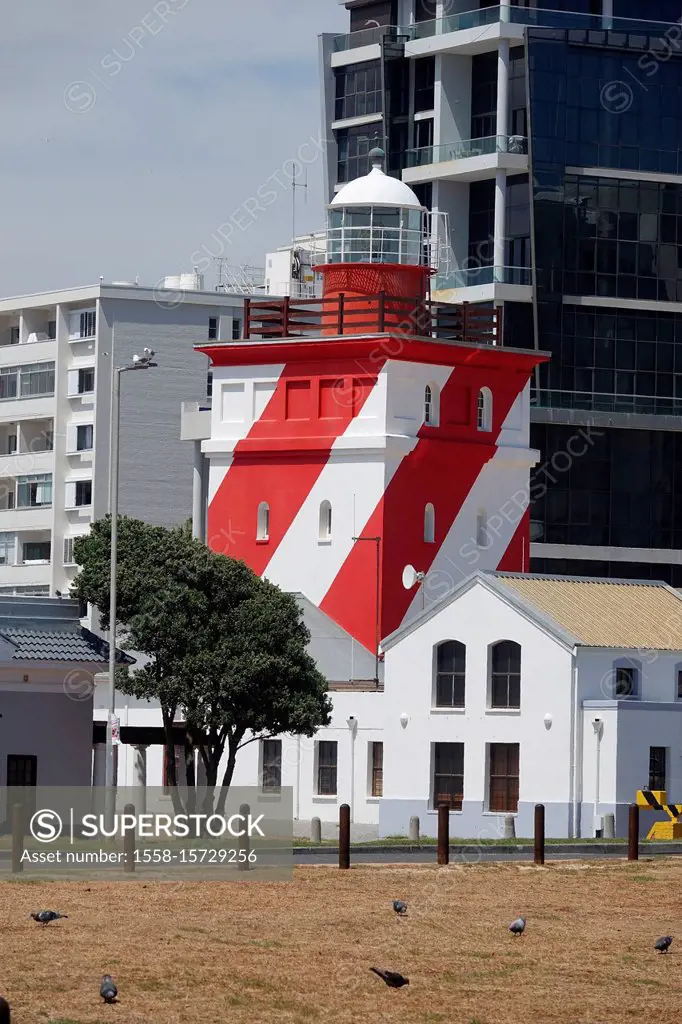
<point x="501" y="490"/>
<point x="354" y="480"/>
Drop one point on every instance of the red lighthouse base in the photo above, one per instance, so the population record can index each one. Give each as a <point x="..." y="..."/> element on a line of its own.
<point x="362" y="285"/>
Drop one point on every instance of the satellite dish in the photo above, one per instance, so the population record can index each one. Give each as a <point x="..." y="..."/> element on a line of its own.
<point x="410" y="577"/>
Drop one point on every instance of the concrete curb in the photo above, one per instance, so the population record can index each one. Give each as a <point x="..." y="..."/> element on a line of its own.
<point x="575" y="850"/>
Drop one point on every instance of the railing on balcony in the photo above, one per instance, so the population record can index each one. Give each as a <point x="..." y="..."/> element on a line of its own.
<point x="603" y="402"/>
<point x="368" y="36"/>
<point x="532" y="16"/>
<point x="478" y="323"/>
<point x="465" y="148"/>
<point x="471" y="277"/>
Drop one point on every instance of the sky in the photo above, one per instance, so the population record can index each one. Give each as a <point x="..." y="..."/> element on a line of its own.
<point x="142" y="136"/>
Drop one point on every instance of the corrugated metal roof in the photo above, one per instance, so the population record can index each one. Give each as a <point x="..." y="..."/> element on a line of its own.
<point x="604" y="612"/>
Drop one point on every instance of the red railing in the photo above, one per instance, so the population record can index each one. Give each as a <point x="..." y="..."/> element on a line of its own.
<point x="479" y="324"/>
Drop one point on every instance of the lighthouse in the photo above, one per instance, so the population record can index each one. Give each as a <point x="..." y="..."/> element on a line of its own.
<point x="370" y="448"/>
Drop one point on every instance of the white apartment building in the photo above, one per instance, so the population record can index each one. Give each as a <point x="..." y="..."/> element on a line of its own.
<point x="57" y="352"/>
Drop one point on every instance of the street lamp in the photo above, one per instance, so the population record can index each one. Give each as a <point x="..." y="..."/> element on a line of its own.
<point x="143" y="362"/>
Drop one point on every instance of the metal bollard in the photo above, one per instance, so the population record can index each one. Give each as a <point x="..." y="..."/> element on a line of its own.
<point x="129" y="843"/>
<point x="414" y="829"/>
<point x="344" y="836"/>
<point x="244" y="841"/>
<point x="316" y="830"/>
<point x="17" y="838"/>
<point x="443" y="833"/>
<point x="539" y="833"/>
<point x="633" y="833"/>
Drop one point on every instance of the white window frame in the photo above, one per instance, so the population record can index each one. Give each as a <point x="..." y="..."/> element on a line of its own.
<point x="324" y="534"/>
<point x="484" y="410"/>
<point x="263" y="522"/>
<point x="429" y="524"/>
<point x="431" y="405"/>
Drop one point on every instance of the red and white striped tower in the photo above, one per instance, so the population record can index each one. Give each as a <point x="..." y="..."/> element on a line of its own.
<point x="371" y="430"/>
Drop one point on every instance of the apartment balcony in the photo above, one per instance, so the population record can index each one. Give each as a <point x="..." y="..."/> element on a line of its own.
<point x="477" y="31"/>
<point x="25" y="573"/>
<point x="485" y="284"/>
<point x="367" y="44"/>
<point x="642" y="405"/>
<point x="467" y="160"/>
<point x="25" y="463"/>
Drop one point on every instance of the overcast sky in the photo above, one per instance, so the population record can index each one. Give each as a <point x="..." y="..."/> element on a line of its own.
<point x="131" y="131"/>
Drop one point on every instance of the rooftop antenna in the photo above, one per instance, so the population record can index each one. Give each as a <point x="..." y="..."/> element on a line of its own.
<point x="294" y="185"/>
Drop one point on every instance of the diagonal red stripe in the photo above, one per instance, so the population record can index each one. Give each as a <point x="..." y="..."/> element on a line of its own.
<point x="283" y="455"/>
<point x="441" y="469"/>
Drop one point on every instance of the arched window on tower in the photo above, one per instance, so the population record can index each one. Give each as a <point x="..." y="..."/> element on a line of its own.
<point x="430" y="524"/>
<point x="431" y="405"/>
<point x="263" y="522"/>
<point x="325" y="528"/>
<point x="484" y="413"/>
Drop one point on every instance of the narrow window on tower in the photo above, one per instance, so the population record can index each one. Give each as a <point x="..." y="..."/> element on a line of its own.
<point x="431" y="405"/>
<point x="481" y="529"/>
<point x="430" y="524"/>
<point x="325" y="528"/>
<point x="484" y="416"/>
<point x="263" y="524"/>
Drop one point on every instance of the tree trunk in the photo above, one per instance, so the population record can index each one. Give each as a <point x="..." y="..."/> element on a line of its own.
<point x="169" y="758"/>
<point x="229" y="772"/>
<point x="190" y="774"/>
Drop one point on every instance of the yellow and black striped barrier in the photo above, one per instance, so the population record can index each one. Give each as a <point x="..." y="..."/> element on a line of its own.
<point x="657" y="800"/>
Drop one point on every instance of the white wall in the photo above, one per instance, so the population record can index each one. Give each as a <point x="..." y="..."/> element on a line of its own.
<point x="478" y="619"/>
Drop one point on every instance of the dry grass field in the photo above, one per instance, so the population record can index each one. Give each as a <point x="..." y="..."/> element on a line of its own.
<point x="299" y="953"/>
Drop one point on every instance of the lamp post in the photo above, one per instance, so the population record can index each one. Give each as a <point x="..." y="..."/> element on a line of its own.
<point x="143" y="362"/>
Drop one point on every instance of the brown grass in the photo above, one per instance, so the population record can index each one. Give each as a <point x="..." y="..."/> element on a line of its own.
<point x="299" y="953"/>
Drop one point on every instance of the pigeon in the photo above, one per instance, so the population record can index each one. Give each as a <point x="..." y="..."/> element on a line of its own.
<point x="107" y="989"/>
<point x="664" y="944"/>
<point x="400" y="908"/>
<point x="4" y="1011"/>
<point x="517" y="926"/>
<point x="392" y="978"/>
<point x="45" y="916"/>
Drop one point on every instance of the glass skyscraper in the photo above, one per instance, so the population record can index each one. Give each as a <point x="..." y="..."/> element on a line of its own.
<point x="552" y="138"/>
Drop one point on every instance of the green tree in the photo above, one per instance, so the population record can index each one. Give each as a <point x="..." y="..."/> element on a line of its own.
<point x="226" y="649"/>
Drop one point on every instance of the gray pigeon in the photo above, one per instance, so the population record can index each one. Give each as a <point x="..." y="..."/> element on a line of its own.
<point x="45" y="916"/>
<point x="4" y="1011"/>
<point x="400" y="908"/>
<point x="517" y="926"/>
<point x="392" y="978"/>
<point x="107" y="989"/>
<point x="664" y="944"/>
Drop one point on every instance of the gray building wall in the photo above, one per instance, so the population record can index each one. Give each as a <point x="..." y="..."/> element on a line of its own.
<point x="155" y="482"/>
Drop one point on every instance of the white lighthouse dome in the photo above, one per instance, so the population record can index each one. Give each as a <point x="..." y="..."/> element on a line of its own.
<point x="376" y="189"/>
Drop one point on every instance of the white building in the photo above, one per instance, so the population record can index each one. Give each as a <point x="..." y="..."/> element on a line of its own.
<point x="515" y="689"/>
<point x="57" y="350"/>
<point x="290" y="269"/>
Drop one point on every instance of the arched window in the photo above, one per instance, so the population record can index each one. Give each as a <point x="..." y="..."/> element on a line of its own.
<point x="450" y="673"/>
<point x="263" y="522"/>
<point x="484" y="414"/>
<point x="430" y="524"/>
<point x="505" y="675"/>
<point x="431" y="405"/>
<point x="325" y="529"/>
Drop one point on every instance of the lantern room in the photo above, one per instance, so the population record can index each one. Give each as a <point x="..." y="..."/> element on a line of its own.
<point x="377" y="219"/>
